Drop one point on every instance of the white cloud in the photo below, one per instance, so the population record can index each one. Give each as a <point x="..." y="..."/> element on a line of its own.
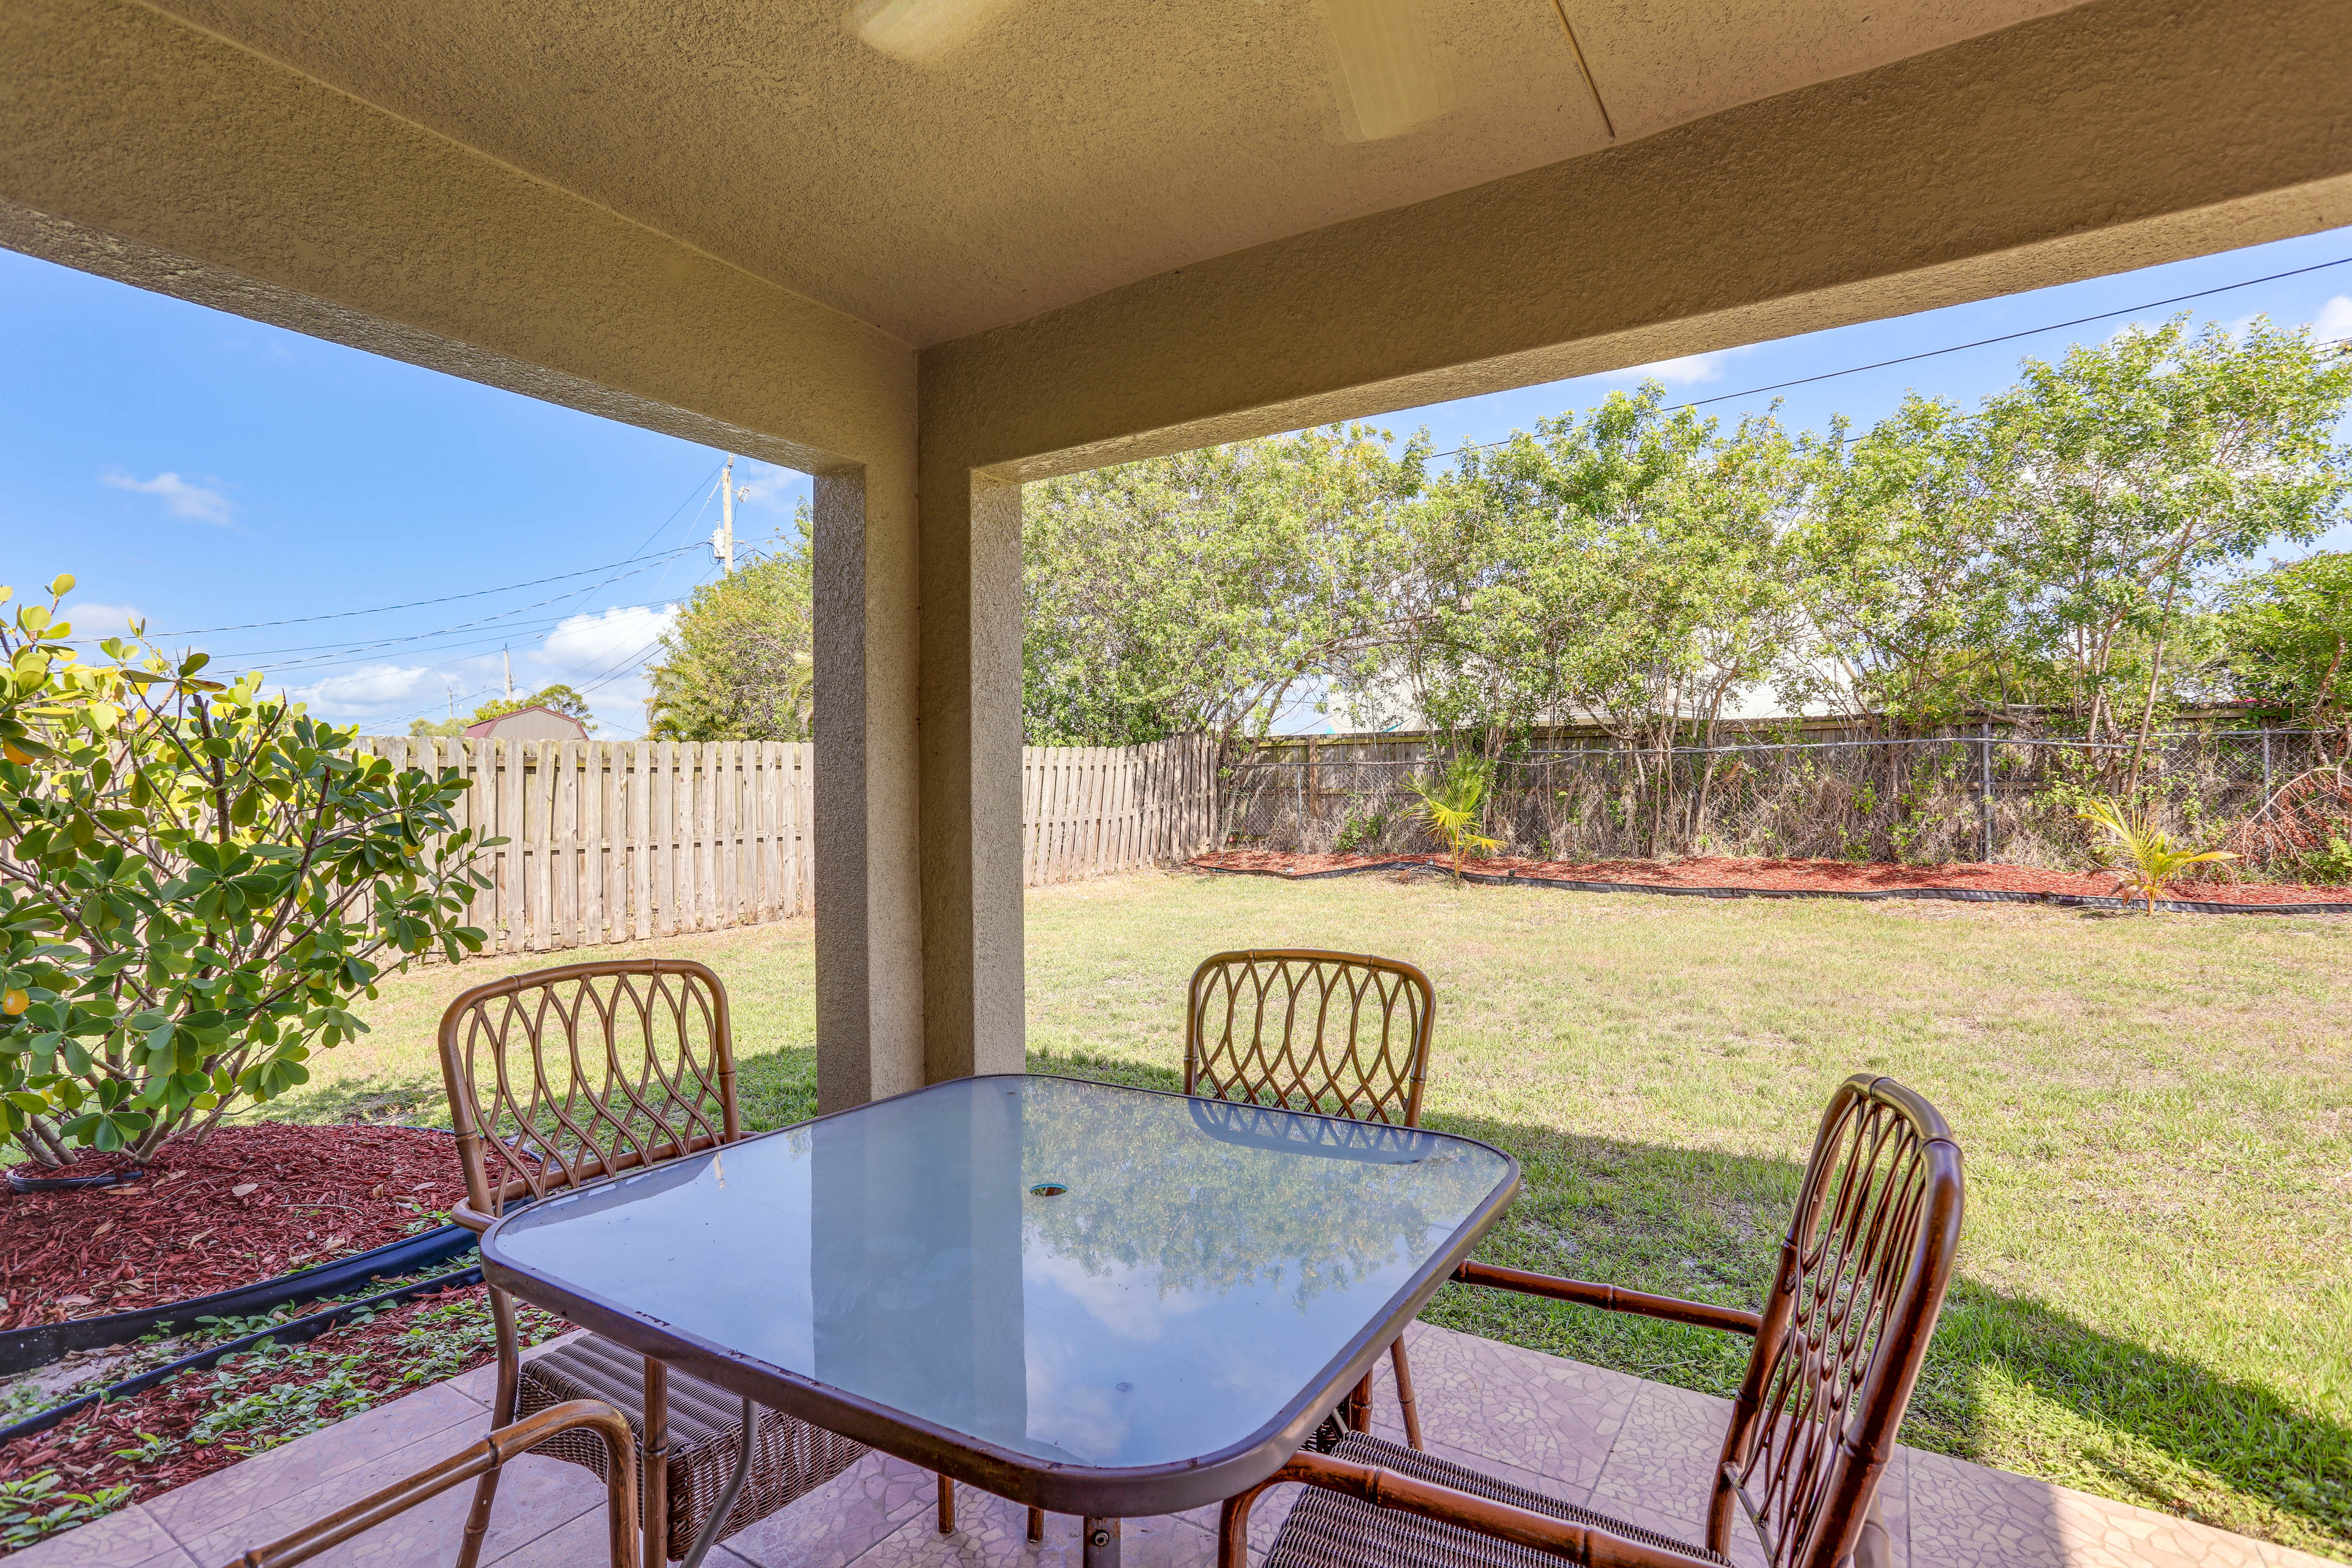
<point x="181" y="499"/>
<point x="1690" y="370"/>
<point x="767" y="486"/>
<point x="2334" y="319"/>
<point x="586" y="645"/>
<point x="600" y="654"/>
<point x="91" y="621"/>
<point x="369" y="692"/>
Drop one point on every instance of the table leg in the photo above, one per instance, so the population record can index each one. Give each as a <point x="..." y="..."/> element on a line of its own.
<point x="1099" y="1538"/>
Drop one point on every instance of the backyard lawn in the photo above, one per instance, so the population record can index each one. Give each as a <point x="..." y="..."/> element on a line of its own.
<point x="2154" y="1291"/>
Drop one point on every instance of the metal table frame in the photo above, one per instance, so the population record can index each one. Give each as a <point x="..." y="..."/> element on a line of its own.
<point x="1101" y="1496"/>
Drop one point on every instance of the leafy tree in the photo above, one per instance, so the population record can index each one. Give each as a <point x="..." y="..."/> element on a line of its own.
<point x="196" y="881"/>
<point x="1202" y="592"/>
<point x="2288" y="631"/>
<point x="556" y="699"/>
<point x="1624" y="569"/>
<point x="1905" y="608"/>
<point x="2133" y="472"/>
<point x="740" y="662"/>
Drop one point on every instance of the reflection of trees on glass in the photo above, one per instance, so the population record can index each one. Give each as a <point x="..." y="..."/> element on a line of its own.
<point x="1151" y="1190"/>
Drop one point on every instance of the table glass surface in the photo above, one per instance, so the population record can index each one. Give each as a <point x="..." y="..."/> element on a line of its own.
<point x="1203" y="1263"/>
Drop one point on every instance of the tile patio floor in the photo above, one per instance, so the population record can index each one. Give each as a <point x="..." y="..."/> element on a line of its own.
<point x="1638" y="1451"/>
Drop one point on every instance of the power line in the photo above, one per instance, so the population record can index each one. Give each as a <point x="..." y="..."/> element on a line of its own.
<point x="463" y="625"/>
<point x="414" y="603"/>
<point x="636" y="554"/>
<point x="1952" y="349"/>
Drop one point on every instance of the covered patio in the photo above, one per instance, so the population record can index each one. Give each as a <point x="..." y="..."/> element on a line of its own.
<point x="927" y="253"/>
<point x="1575" y="1432"/>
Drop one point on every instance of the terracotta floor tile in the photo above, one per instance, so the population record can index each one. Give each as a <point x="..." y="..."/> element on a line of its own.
<point x="535" y="1496"/>
<point x="845" y="1517"/>
<point x="2100" y="1533"/>
<point x="1643" y="1452"/>
<point x="1535" y="1412"/>
<point x="992" y="1533"/>
<point x="1662" y="1465"/>
<point x="127" y="1538"/>
<point x="225" y="1496"/>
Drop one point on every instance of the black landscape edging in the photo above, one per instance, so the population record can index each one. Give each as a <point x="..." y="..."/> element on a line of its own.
<point x="1958" y="895"/>
<point x="291" y="1333"/>
<point x="21" y="1350"/>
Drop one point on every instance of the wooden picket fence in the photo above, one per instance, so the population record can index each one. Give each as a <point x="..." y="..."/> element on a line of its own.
<point x="626" y="840"/>
<point x="1088" y="810"/>
<point x="611" y="841"/>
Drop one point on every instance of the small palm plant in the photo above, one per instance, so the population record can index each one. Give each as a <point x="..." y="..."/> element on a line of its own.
<point x="1450" y="805"/>
<point x="2151" y="859"/>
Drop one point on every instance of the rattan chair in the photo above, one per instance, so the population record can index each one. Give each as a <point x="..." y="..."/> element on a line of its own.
<point x="585" y="1420"/>
<point x="567" y="1075"/>
<point x="1838" y="1347"/>
<point x="1341" y="1034"/>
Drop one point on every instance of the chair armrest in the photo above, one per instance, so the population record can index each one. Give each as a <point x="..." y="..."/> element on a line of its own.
<point x="1386" y="1488"/>
<point x="490" y="1454"/>
<point x="1609" y="1298"/>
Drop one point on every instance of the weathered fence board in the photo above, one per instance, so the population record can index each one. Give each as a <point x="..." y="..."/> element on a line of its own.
<point x="629" y="840"/>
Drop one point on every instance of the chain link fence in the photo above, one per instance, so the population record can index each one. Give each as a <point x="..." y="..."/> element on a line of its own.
<point x="1954" y="797"/>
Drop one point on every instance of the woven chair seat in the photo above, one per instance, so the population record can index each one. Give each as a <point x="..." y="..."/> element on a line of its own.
<point x="1328" y="1530"/>
<point x="789" y="1458"/>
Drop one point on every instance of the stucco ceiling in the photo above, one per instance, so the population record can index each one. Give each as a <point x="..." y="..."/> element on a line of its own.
<point x="1061" y="147"/>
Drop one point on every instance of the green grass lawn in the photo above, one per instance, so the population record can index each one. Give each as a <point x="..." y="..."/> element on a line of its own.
<point x="2154" y="1301"/>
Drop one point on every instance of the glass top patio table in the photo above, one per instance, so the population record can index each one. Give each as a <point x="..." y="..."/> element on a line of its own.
<point x="1095" y="1300"/>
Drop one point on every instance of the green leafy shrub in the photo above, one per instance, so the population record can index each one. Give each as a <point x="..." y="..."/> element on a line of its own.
<point x="33" y="1508"/>
<point x="1359" y="832"/>
<point x="196" y="881"/>
<point x="2331" y="866"/>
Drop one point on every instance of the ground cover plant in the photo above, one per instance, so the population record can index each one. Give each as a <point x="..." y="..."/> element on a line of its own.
<point x="2155" y="1112"/>
<point x="202" y="1421"/>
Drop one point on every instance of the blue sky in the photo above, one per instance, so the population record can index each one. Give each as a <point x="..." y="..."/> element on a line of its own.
<point x="203" y="471"/>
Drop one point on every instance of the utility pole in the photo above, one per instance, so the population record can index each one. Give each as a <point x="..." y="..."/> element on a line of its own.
<point x="722" y="538"/>
<point x="510" y="658"/>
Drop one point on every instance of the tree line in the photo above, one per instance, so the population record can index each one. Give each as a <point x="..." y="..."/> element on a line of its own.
<point x="2082" y="552"/>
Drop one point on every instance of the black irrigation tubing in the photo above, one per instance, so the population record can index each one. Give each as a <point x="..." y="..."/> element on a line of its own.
<point x="21" y="1350"/>
<point x="293" y="1332"/>
<point x="1956" y="895"/>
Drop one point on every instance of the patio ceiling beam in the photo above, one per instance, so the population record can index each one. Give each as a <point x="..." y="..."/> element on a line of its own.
<point x="2112" y="135"/>
<point x="145" y="149"/>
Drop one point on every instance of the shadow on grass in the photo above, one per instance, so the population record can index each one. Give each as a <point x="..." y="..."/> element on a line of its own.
<point x="2154" y="1429"/>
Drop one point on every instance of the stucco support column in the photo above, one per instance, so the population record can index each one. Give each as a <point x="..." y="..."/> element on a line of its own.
<point x="870" y="938"/>
<point x="972" y="1019"/>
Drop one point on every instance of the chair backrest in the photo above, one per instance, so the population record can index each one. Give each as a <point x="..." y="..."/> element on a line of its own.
<point x="1339" y="1032"/>
<point x="1862" y="1273"/>
<point x="562" y="1074"/>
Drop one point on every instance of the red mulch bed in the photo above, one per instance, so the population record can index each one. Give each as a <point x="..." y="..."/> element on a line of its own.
<point x="82" y="1449"/>
<point x="1813" y="876"/>
<point x="316" y="1193"/>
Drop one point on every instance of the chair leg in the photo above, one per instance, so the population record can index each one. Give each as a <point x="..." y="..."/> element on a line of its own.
<point x="657" y="1459"/>
<point x="1232" y="1527"/>
<point x="1037" y="1524"/>
<point x="502" y="1413"/>
<point x="1405" y="1395"/>
<point x="947" y="1505"/>
<point x="1359" y="1406"/>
